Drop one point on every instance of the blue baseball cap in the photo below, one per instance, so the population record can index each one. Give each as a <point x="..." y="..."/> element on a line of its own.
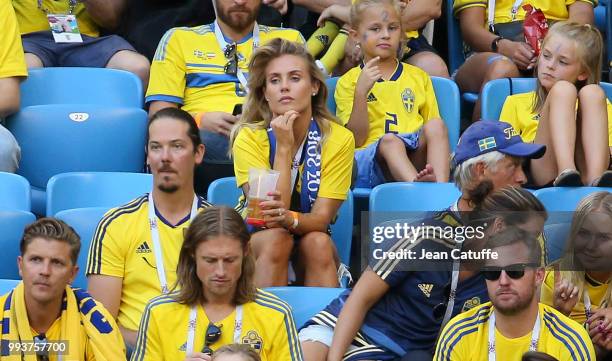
<point x="485" y="136"/>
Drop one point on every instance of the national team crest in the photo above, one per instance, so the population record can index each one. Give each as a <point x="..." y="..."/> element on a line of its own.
<point x="408" y="99"/>
<point x="471" y="303"/>
<point x="254" y="340"/>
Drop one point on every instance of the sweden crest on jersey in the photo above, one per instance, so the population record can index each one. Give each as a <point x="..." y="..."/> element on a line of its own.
<point x="408" y="99"/>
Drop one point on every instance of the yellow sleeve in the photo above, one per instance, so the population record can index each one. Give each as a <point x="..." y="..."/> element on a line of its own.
<point x="248" y="152"/>
<point x="344" y="95"/>
<point x="548" y="286"/>
<point x="430" y="111"/>
<point x="594" y="3"/>
<point x="106" y="254"/>
<point x="609" y="107"/>
<point x="148" y="342"/>
<point x="455" y="352"/>
<point x="336" y="175"/>
<point x="509" y="114"/>
<point x="12" y="60"/>
<point x="167" y="80"/>
<point x="460" y="5"/>
<point x="286" y="342"/>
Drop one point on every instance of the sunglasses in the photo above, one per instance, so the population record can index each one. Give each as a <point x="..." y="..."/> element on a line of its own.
<point x="213" y="334"/>
<point x="231" y="53"/>
<point x="41" y="355"/>
<point x="514" y="271"/>
<point x="440" y="309"/>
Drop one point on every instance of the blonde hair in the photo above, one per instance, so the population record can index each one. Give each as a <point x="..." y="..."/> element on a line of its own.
<point x="246" y="351"/>
<point x="570" y="268"/>
<point x="257" y="113"/>
<point x="589" y="48"/>
<point x="356" y="17"/>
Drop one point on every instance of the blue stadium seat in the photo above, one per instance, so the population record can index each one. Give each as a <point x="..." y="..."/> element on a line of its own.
<point x="73" y="85"/>
<point x="565" y="199"/>
<point x="12" y="224"/>
<point x="454" y="40"/>
<point x="7" y="285"/>
<point x="447" y="95"/>
<point x="600" y="17"/>
<point x="64" y="138"/>
<point x="14" y="192"/>
<point x="496" y="91"/>
<point x="306" y="302"/>
<point x="95" y="189"/>
<point x="413" y="197"/>
<point x="555" y="236"/>
<point x="84" y="221"/>
<point x="224" y="192"/>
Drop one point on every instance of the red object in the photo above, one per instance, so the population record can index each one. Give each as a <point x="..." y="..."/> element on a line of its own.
<point x="535" y="27"/>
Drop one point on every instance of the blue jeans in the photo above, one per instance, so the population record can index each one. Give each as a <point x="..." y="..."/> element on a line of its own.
<point x="216" y="146"/>
<point x="10" y="153"/>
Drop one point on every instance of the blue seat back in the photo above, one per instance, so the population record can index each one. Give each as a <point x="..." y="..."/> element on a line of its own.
<point x="454" y="40"/>
<point x="94" y="189"/>
<point x="64" y="138"/>
<point x="413" y="197"/>
<point x="223" y="191"/>
<point x="565" y="199"/>
<point x="101" y="86"/>
<point x="608" y="37"/>
<point x="84" y="221"/>
<point x="14" y="192"/>
<point x="306" y="302"/>
<point x="556" y="235"/>
<point x="12" y="224"/>
<point x="495" y="92"/>
<point x="447" y="95"/>
<point x="7" y="285"/>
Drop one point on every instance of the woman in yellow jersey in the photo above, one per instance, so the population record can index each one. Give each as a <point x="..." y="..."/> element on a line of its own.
<point x="579" y="286"/>
<point x="286" y="126"/>
<point x="215" y="302"/>
<point x="568" y="111"/>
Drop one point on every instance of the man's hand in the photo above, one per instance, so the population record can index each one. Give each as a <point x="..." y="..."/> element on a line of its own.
<point x="218" y="122"/>
<point x="280" y="5"/>
<point x="282" y="126"/>
<point x="369" y="75"/>
<point x="565" y="295"/>
<point x="519" y="52"/>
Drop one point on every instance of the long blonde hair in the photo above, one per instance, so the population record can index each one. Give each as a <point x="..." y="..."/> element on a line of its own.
<point x="356" y="17"/>
<point x="257" y="113"/>
<point x="589" y="48"/>
<point x="570" y="268"/>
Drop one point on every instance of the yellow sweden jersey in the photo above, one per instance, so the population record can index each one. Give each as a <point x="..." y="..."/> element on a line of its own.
<point x="517" y="112"/>
<point x="12" y="60"/>
<point x="267" y="326"/>
<point x="597" y="292"/>
<point x="400" y="105"/>
<point x="553" y="9"/>
<point x="252" y="150"/>
<point x="465" y="337"/>
<point x="32" y="19"/>
<point x="188" y="68"/>
<point x="122" y="247"/>
<point x="55" y="333"/>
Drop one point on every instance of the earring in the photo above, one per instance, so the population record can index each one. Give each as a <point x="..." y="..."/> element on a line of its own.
<point x="313" y="94"/>
<point x="358" y="46"/>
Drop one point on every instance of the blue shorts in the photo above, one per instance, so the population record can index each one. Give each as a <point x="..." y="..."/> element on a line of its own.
<point x="418" y="45"/>
<point x="92" y="52"/>
<point x="369" y="173"/>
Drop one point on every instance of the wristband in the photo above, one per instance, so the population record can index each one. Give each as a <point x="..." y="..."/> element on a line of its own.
<point x="495" y="44"/>
<point x="296" y="222"/>
<point x="198" y="118"/>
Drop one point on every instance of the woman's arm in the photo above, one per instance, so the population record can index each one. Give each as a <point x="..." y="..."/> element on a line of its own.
<point x="368" y="290"/>
<point x="417" y="13"/>
<point x="582" y="12"/>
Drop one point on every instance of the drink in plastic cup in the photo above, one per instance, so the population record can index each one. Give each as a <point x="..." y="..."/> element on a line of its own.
<point x="261" y="182"/>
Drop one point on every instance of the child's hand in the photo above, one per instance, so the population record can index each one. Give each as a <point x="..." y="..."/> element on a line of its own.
<point x="369" y="75"/>
<point x="282" y="126"/>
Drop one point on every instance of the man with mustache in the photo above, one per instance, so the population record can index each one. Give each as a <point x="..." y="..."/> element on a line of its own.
<point x="514" y="322"/>
<point x="203" y="70"/>
<point x="135" y="250"/>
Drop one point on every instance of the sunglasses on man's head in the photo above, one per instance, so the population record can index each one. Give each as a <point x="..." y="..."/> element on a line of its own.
<point x="440" y="309"/>
<point x="514" y="271"/>
<point x="213" y="334"/>
<point x="231" y="53"/>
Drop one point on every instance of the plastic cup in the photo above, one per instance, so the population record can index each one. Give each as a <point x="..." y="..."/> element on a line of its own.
<point x="261" y="182"/>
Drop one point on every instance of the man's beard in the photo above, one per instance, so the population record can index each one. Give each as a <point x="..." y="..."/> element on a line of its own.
<point x="516" y="308"/>
<point x="168" y="188"/>
<point x="240" y="24"/>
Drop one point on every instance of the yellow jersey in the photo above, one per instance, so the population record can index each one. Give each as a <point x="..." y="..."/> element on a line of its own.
<point x="122" y="247"/>
<point x="402" y="104"/>
<point x="517" y="112"/>
<point x="466" y="337"/>
<point x="188" y="68"/>
<point x="12" y="60"/>
<point x="597" y="293"/>
<point x="32" y="19"/>
<point x="252" y="150"/>
<point x="267" y="326"/>
<point x="552" y="9"/>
